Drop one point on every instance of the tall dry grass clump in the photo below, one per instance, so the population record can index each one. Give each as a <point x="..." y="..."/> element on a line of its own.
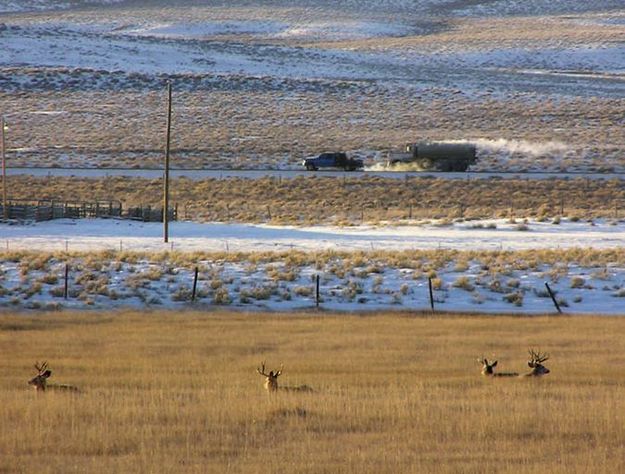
<point x="165" y="392"/>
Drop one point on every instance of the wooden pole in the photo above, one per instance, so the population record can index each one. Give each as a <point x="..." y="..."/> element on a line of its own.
<point x="194" y="284"/>
<point x="66" y="278"/>
<point x="431" y="294"/>
<point x="317" y="291"/>
<point x="5" y="209"/>
<point x="166" y="177"/>
<point x="553" y="298"/>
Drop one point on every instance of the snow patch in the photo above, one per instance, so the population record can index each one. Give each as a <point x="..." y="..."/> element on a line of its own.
<point x="100" y="234"/>
<point x="14" y="6"/>
<point x="344" y="30"/>
<point x="204" y="30"/>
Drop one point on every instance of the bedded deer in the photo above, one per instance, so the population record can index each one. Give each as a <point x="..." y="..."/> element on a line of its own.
<point x="271" y="381"/>
<point x="40" y="381"/>
<point x="488" y="369"/>
<point x="535" y="363"/>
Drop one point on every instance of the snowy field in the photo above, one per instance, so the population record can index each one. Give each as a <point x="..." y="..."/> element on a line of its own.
<point x="263" y="267"/>
<point x="267" y="83"/>
<point x="97" y="234"/>
<point x="310" y="45"/>
<point x="536" y="85"/>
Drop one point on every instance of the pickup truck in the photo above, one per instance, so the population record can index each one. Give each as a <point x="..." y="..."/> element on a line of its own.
<point x="332" y="160"/>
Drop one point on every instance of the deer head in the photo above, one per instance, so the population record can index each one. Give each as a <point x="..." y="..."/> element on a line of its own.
<point x="271" y="379"/>
<point x="487" y="367"/>
<point x="536" y="364"/>
<point x="40" y="381"/>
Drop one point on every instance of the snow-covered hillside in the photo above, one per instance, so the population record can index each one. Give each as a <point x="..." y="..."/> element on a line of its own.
<point x="433" y="69"/>
<point x="12" y="6"/>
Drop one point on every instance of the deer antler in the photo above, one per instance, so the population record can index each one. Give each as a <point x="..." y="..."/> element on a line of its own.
<point x="261" y="369"/>
<point x="41" y="368"/>
<point x="537" y="357"/>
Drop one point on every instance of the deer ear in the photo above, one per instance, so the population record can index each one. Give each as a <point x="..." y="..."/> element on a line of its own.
<point x="46" y="374"/>
<point x="531" y="364"/>
<point x="494" y="364"/>
<point x="485" y="361"/>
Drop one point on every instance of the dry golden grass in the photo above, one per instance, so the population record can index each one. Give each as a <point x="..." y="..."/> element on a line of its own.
<point x="261" y="128"/>
<point x="463" y="34"/>
<point x="314" y="200"/>
<point x="372" y="261"/>
<point x="168" y="392"/>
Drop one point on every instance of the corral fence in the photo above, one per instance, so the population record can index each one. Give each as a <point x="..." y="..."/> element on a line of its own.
<point x="46" y="210"/>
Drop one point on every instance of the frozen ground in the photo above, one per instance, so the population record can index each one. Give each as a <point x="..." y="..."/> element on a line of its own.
<point x="95" y="234"/>
<point x="13" y="6"/>
<point x="285" y="281"/>
<point x="348" y="48"/>
<point x="467" y="7"/>
<point x="298" y="78"/>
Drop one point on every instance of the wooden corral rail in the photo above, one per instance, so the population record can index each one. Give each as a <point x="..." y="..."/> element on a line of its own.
<point x="149" y="214"/>
<point x="45" y="210"/>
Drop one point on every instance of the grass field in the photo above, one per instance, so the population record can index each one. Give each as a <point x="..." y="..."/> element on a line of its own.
<point x="314" y="200"/>
<point x="165" y="392"/>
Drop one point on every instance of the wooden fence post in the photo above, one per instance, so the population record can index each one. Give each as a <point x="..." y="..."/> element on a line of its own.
<point x="317" y="291"/>
<point x="553" y="298"/>
<point x="66" y="279"/>
<point x="431" y="294"/>
<point x="194" y="284"/>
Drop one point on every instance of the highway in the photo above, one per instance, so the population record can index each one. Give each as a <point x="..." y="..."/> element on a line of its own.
<point x="287" y="174"/>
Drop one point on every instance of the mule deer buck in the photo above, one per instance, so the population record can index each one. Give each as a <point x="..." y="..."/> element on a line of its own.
<point x="271" y="381"/>
<point x="40" y="381"/>
<point x="535" y="362"/>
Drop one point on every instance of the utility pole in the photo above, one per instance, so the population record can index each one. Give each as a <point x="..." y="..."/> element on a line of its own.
<point x="166" y="177"/>
<point x="5" y="209"/>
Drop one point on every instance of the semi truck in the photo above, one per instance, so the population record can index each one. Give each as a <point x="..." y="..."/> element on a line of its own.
<point x="436" y="156"/>
<point x="332" y="160"/>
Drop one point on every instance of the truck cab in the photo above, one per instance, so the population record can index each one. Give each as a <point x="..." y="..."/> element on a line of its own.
<point x="332" y="160"/>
